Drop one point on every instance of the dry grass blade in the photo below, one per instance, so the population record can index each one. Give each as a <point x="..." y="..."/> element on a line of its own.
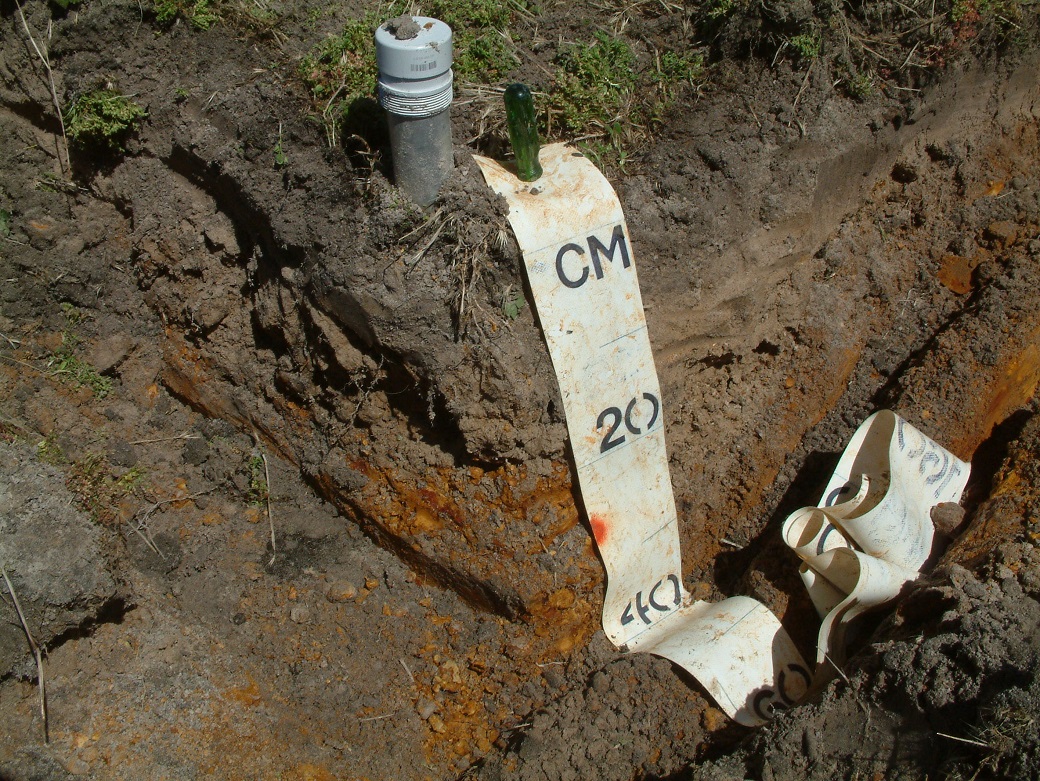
<point x="970" y="742"/>
<point x="488" y="101"/>
<point x="621" y="13"/>
<point x="270" y="517"/>
<point x="378" y="718"/>
<point x="36" y="652"/>
<point x="140" y="530"/>
<point x="22" y="363"/>
<point x="142" y="518"/>
<point x="185" y="435"/>
<point x="438" y="223"/>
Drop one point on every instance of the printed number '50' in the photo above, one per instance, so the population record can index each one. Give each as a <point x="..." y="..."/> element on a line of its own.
<point x="616" y="417"/>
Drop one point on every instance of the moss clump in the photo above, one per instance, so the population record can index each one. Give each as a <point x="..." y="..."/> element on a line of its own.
<point x="102" y="118"/>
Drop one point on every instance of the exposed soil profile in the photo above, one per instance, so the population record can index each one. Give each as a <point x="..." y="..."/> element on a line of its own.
<point x="285" y="487"/>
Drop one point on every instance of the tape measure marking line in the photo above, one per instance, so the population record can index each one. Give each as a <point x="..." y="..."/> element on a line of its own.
<point x="691" y="619"/>
<point x="717" y="688"/>
<point x="739" y="621"/>
<point x="630" y="641"/>
<point x="661" y="528"/>
<point x="609" y="359"/>
<point x="633" y="332"/>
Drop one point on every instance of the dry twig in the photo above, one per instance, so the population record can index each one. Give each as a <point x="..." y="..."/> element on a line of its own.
<point x="270" y="517"/>
<point x="379" y="718"/>
<point x="42" y="54"/>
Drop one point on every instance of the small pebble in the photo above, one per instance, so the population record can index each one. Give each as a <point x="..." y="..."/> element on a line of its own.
<point x="947" y="517"/>
<point x="553" y="677"/>
<point x="77" y="767"/>
<point x="299" y="614"/>
<point x="341" y="591"/>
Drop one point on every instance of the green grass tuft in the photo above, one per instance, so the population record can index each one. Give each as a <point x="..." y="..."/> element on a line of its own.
<point x="594" y="84"/>
<point x="807" y="45"/>
<point x="68" y="367"/>
<point x="601" y="95"/>
<point x="201" y="14"/>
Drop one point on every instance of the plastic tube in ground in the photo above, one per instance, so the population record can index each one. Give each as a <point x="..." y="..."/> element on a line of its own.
<point x="414" y="55"/>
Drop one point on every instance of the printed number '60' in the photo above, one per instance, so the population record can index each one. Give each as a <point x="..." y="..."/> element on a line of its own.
<point x="616" y="416"/>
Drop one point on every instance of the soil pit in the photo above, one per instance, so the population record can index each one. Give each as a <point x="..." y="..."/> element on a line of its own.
<point x="285" y="486"/>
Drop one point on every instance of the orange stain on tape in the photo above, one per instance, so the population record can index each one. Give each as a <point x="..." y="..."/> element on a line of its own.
<point x="600" y="528"/>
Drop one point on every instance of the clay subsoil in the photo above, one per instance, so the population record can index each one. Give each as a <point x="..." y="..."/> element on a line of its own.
<point x="312" y="516"/>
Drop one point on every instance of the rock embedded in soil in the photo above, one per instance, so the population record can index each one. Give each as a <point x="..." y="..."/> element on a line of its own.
<point x="57" y="558"/>
<point x="341" y="591"/>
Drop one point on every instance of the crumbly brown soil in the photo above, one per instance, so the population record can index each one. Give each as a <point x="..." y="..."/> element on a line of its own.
<point x="430" y="605"/>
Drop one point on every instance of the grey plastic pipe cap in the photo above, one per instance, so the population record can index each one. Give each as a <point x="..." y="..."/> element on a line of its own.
<point x="414" y="56"/>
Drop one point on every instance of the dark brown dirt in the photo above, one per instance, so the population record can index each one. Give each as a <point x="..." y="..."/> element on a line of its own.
<point x="292" y="346"/>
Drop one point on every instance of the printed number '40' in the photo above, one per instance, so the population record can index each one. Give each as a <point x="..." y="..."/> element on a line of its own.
<point x="643" y="608"/>
<point x="616" y="417"/>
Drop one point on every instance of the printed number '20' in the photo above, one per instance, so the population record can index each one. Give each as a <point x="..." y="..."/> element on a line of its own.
<point x="616" y="417"/>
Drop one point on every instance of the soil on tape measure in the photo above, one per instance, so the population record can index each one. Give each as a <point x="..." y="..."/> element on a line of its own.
<point x="200" y="341"/>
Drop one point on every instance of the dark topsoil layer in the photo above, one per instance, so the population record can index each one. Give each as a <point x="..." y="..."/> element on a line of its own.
<point x="290" y="350"/>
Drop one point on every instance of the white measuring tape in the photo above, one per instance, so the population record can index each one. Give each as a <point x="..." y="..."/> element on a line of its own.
<point x="582" y="273"/>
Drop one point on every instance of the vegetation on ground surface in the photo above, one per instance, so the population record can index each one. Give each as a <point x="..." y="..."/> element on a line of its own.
<point x="201" y="14"/>
<point x="602" y="96"/>
<point x="256" y="16"/>
<point x="341" y="71"/>
<point x="68" y="367"/>
<point x="102" y="118"/>
<point x="995" y="747"/>
<point x="610" y="88"/>
<point x="258" y="492"/>
<point x="599" y="90"/>
<point x="49" y="451"/>
<point x="888" y="43"/>
<point x="99" y="488"/>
